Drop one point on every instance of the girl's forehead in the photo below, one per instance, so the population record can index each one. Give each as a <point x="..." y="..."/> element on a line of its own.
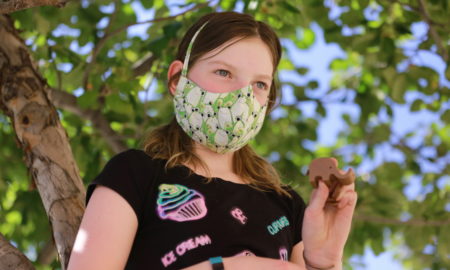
<point x="221" y="48"/>
<point x="240" y="49"/>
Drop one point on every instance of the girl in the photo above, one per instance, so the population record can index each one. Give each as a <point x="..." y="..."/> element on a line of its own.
<point x="198" y="197"/>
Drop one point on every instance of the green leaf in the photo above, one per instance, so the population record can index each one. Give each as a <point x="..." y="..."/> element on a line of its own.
<point x="42" y="24"/>
<point x="339" y="64"/>
<point x="313" y="84"/>
<point x="88" y="99"/>
<point x="306" y="38"/>
<point x="321" y="109"/>
<point x="417" y="105"/>
<point x="119" y="105"/>
<point x="14" y="217"/>
<point x="290" y="7"/>
<point x="147" y="4"/>
<point x="389" y="75"/>
<point x="299" y="92"/>
<point x="447" y="72"/>
<point x="302" y="70"/>
<point x="170" y="30"/>
<point x="380" y="134"/>
<point x="399" y="89"/>
<point x="285" y="64"/>
<point x="158" y="45"/>
<point x="445" y="117"/>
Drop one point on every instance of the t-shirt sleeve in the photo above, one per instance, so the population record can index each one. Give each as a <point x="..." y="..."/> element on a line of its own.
<point x="121" y="174"/>
<point x="298" y="207"/>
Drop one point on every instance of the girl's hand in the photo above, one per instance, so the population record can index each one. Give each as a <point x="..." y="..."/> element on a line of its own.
<point x="326" y="227"/>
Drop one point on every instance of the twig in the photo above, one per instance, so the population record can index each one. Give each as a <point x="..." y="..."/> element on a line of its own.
<point x="11" y="6"/>
<point x="142" y="67"/>
<point x="48" y="253"/>
<point x="141" y="130"/>
<point x="434" y="34"/>
<point x="68" y="102"/>
<point x="58" y="75"/>
<point x="431" y="25"/>
<point x="391" y="221"/>
<point x="120" y="29"/>
<point x="108" y="35"/>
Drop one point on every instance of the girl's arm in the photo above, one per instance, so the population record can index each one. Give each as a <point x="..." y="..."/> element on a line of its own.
<point x="249" y="263"/>
<point x="106" y="233"/>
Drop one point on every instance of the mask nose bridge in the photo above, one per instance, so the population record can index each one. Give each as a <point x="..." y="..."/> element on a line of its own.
<point x="241" y="87"/>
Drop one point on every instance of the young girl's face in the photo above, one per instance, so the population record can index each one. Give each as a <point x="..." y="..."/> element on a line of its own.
<point x="245" y="62"/>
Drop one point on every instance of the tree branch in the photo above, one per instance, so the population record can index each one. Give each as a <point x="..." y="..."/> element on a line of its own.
<point x="109" y="34"/>
<point x="10" y="6"/>
<point x="142" y="67"/>
<point x="431" y="25"/>
<point x="68" y="102"/>
<point x="47" y="253"/>
<point x="434" y="34"/>
<point x="12" y="258"/>
<point x="390" y="221"/>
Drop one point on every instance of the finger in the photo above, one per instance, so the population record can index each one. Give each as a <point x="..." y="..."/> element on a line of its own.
<point x="319" y="197"/>
<point x="343" y="219"/>
<point x="347" y="198"/>
<point x="348" y="201"/>
<point x="344" y="190"/>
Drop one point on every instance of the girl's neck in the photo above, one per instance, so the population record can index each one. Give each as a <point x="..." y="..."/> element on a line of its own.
<point x="219" y="165"/>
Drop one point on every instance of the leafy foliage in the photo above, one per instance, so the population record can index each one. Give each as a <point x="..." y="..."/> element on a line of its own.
<point x="395" y="62"/>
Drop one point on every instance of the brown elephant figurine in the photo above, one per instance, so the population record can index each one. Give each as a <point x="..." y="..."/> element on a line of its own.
<point x="326" y="169"/>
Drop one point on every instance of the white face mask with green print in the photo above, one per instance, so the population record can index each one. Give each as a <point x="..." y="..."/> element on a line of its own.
<point x="222" y="122"/>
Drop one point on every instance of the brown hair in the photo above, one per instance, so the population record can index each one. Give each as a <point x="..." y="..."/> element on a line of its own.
<point x="172" y="143"/>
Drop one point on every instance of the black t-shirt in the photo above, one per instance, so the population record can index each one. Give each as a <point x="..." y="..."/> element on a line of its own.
<point x="183" y="220"/>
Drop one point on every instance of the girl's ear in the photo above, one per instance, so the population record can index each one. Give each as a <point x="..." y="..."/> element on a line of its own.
<point x="175" y="67"/>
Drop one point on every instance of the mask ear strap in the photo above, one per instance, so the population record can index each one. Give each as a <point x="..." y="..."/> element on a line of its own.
<point x="188" y="52"/>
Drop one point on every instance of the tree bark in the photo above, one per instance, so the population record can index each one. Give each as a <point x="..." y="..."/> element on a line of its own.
<point x="12" y="258"/>
<point x="48" y="156"/>
<point x="10" y="6"/>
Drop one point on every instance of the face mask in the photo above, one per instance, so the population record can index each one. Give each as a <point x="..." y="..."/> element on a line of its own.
<point x="222" y="122"/>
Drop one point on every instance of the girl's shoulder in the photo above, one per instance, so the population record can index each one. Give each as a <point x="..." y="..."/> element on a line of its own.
<point x="295" y="197"/>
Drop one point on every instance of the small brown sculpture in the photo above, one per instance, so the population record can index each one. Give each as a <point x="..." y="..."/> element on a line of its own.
<point x="326" y="169"/>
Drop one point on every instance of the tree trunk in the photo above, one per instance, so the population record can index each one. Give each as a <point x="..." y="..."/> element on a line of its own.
<point x="48" y="156"/>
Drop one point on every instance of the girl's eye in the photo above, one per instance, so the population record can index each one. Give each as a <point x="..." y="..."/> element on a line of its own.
<point x="222" y="72"/>
<point x="261" y="85"/>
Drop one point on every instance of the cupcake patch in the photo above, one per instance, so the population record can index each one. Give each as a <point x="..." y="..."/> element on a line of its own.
<point x="179" y="203"/>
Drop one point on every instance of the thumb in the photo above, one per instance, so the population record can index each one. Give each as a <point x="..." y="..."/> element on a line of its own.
<point x="319" y="197"/>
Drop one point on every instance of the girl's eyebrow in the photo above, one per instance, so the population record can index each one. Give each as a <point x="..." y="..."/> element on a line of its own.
<point x="220" y="62"/>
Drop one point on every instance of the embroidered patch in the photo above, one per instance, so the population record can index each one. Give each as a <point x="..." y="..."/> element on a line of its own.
<point x="283" y="254"/>
<point x="189" y="244"/>
<point x="179" y="203"/>
<point x="238" y="214"/>
<point x="278" y="225"/>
